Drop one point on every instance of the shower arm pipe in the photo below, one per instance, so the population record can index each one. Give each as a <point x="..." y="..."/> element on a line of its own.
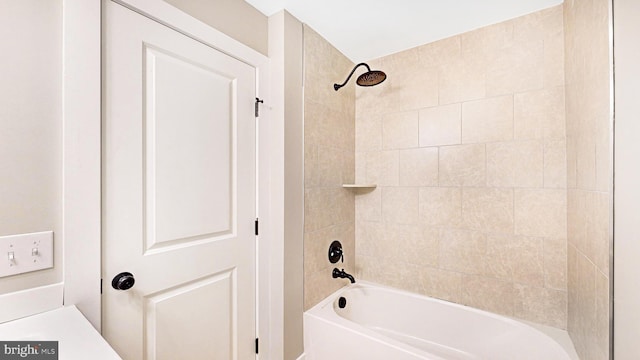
<point x="336" y="86"/>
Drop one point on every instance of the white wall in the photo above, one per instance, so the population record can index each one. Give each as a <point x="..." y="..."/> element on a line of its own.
<point x="31" y="128"/>
<point x="235" y="18"/>
<point x="627" y="180"/>
<point x="294" y="189"/>
<point x="285" y="49"/>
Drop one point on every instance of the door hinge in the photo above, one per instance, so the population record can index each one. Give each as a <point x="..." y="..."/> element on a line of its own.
<point x="258" y="102"/>
<point x="100" y="286"/>
<point x="257" y="225"/>
<point x="256" y="345"/>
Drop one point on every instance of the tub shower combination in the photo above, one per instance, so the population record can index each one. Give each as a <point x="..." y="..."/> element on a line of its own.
<point x="372" y="322"/>
<point x="368" y="321"/>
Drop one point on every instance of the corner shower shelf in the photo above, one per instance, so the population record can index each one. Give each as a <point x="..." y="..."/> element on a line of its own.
<point x="359" y="186"/>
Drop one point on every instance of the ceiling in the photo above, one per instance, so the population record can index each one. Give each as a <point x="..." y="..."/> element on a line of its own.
<point x="368" y="29"/>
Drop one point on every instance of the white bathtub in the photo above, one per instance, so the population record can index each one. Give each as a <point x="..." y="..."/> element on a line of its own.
<point x="388" y="324"/>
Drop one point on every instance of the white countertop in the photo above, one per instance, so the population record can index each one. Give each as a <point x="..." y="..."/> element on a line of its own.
<point x="77" y="339"/>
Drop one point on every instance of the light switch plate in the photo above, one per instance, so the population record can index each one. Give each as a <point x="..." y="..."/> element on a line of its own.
<point x="25" y="253"/>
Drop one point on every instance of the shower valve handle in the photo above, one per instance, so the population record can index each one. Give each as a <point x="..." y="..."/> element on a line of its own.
<point x="335" y="252"/>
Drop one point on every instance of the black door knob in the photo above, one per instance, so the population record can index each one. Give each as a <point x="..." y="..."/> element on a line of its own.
<point x="123" y="281"/>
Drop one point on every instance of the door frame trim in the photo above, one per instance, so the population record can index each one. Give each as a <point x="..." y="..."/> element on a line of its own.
<point x="82" y="158"/>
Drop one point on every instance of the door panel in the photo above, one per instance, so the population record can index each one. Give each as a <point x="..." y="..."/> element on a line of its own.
<point x="178" y="194"/>
<point x="189" y="163"/>
<point x="167" y="307"/>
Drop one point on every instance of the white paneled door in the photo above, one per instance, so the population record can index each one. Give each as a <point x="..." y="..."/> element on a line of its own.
<point x="178" y="194"/>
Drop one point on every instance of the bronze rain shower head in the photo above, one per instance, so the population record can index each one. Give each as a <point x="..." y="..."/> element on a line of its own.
<point x="370" y="78"/>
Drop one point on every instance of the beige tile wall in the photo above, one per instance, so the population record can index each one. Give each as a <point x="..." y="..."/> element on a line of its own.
<point x="466" y="141"/>
<point x="589" y="128"/>
<point x="329" y="137"/>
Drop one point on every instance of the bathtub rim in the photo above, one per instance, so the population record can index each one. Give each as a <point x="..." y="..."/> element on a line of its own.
<point x="331" y="317"/>
<point x="319" y="311"/>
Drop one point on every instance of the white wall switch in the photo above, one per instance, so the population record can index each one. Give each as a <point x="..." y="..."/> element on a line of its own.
<point x="25" y="253"/>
